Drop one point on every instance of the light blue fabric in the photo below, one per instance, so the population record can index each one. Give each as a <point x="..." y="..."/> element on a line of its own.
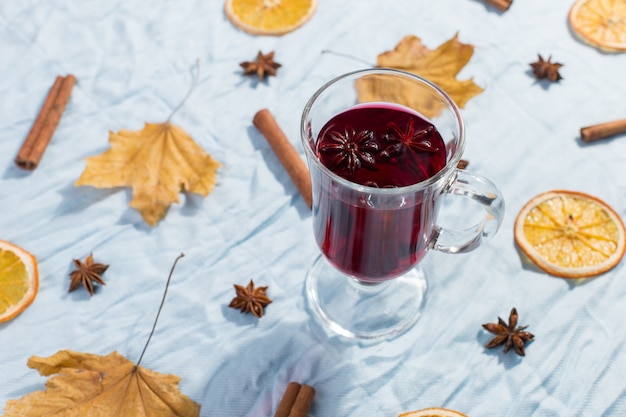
<point x="135" y="61"/>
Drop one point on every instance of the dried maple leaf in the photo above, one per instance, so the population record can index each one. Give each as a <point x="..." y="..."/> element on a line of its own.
<point x="440" y="66"/>
<point x="101" y="386"/>
<point x="158" y="162"/>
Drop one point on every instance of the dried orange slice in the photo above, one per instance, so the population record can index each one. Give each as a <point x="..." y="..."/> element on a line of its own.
<point x="269" y="17"/>
<point x="433" y="412"/>
<point x="570" y="234"/>
<point x="600" y="23"/>
<point x="19" y="280"/>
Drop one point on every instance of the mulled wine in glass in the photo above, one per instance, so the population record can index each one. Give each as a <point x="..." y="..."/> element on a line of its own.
<point x="383" y="147"/>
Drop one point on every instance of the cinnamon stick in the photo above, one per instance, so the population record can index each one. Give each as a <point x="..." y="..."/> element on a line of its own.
<point x="286" y="153"/>
<point x="303" y="402"/>
<point x="603" y="130"/>
<point x="502" y="5"/>
<point x="289" y="398"/>
<point x="45" y="124"/>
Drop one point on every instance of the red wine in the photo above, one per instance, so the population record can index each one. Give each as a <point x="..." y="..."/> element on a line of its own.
<point x="380" y="146"/>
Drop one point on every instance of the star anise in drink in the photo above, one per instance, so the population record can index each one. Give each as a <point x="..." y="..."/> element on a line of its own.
<point x="510" y="335"/>
<point x="263" y="65"/>
<point x="350" y="149"/>
<point x="546" y="69"/>
<point x="87" y="273"/>
<point x="250" y="299"/>
<point x="400" y="139"/>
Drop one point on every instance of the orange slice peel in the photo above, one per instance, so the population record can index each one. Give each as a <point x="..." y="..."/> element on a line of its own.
<point x="19" y="280"/>
<point x="570" y="234"/>
<point x="600" y="23"/>
<point x="269" y="17"/>
<point x="433" y="412"/>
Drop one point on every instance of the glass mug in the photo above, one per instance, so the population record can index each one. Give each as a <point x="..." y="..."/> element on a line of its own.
<point x="367" y="283"/>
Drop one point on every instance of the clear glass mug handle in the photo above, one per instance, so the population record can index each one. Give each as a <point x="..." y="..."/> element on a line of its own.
<point x="483" y="192"/>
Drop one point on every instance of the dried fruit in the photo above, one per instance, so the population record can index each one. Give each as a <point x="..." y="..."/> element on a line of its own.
<point x="600" y="23"/>
<point x="510" y="335"/>
<point x="19" y="280"/>
<point x="88" y="273"/>
<point x="158" y="162"/>
<point x="546" y="69"/>
<point x="350" y="150"/>
<point x="264" y="64"/>
<point x="269" y="17"/>
<point x="570" y="234"/>
<point x="433" y="412"/>
<point x="250" y="299"/>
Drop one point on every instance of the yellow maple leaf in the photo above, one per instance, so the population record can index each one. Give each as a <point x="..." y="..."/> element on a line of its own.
<point x="90" y="385"/>
<point x="440" y="66"/>
<point x="158" y="162"/>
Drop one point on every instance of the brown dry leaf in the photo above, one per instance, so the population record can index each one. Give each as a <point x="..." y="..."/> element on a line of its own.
<point x="158" y="162"/>
<point x="85" y="384"/>
<point x="440" y="66"/>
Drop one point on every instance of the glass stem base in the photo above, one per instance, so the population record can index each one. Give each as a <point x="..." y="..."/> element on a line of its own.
<point x="359" y="310"/>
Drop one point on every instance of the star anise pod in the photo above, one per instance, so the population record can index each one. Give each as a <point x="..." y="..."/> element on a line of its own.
<point x="510" y="335"/>
<point x="263" y="65"/>
<point x="546" y="69"/>
<point x="250" y="299"/>
<point x="350" y="149"/>
<point x="401" y="139"/>
<point x="88" y="273"/>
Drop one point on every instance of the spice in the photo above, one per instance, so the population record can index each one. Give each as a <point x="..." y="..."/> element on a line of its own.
<point x="510" y="335"/>
<point x="296" y="400"/>
<point x="502" y="5"/>
<point x="45" y="124"/>
<point x="603" y="130"/>
<point x="264" y="64"/>
<point x="87" y="273"/>
<point x="288" y="399"/>
<point x="250" y="299"/>
<point x="286" y="153"/>
<point x="546" y="69"/>
<point x="351" y="149"/>
<point x="303" y="402"/>
<point x="462" y="164"/>
<point x="399" y="140"/>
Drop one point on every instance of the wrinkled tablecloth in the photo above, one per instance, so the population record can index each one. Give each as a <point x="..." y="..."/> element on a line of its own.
<point x="136" y="60"/>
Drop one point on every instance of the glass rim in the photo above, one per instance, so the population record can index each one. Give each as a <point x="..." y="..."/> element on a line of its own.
<point x="444" y="172"/>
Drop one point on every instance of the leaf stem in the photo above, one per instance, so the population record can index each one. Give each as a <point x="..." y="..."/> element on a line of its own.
<point x="169" y="278"/>
<point x="328" y="51"/>
<point x="194" y="83"/>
